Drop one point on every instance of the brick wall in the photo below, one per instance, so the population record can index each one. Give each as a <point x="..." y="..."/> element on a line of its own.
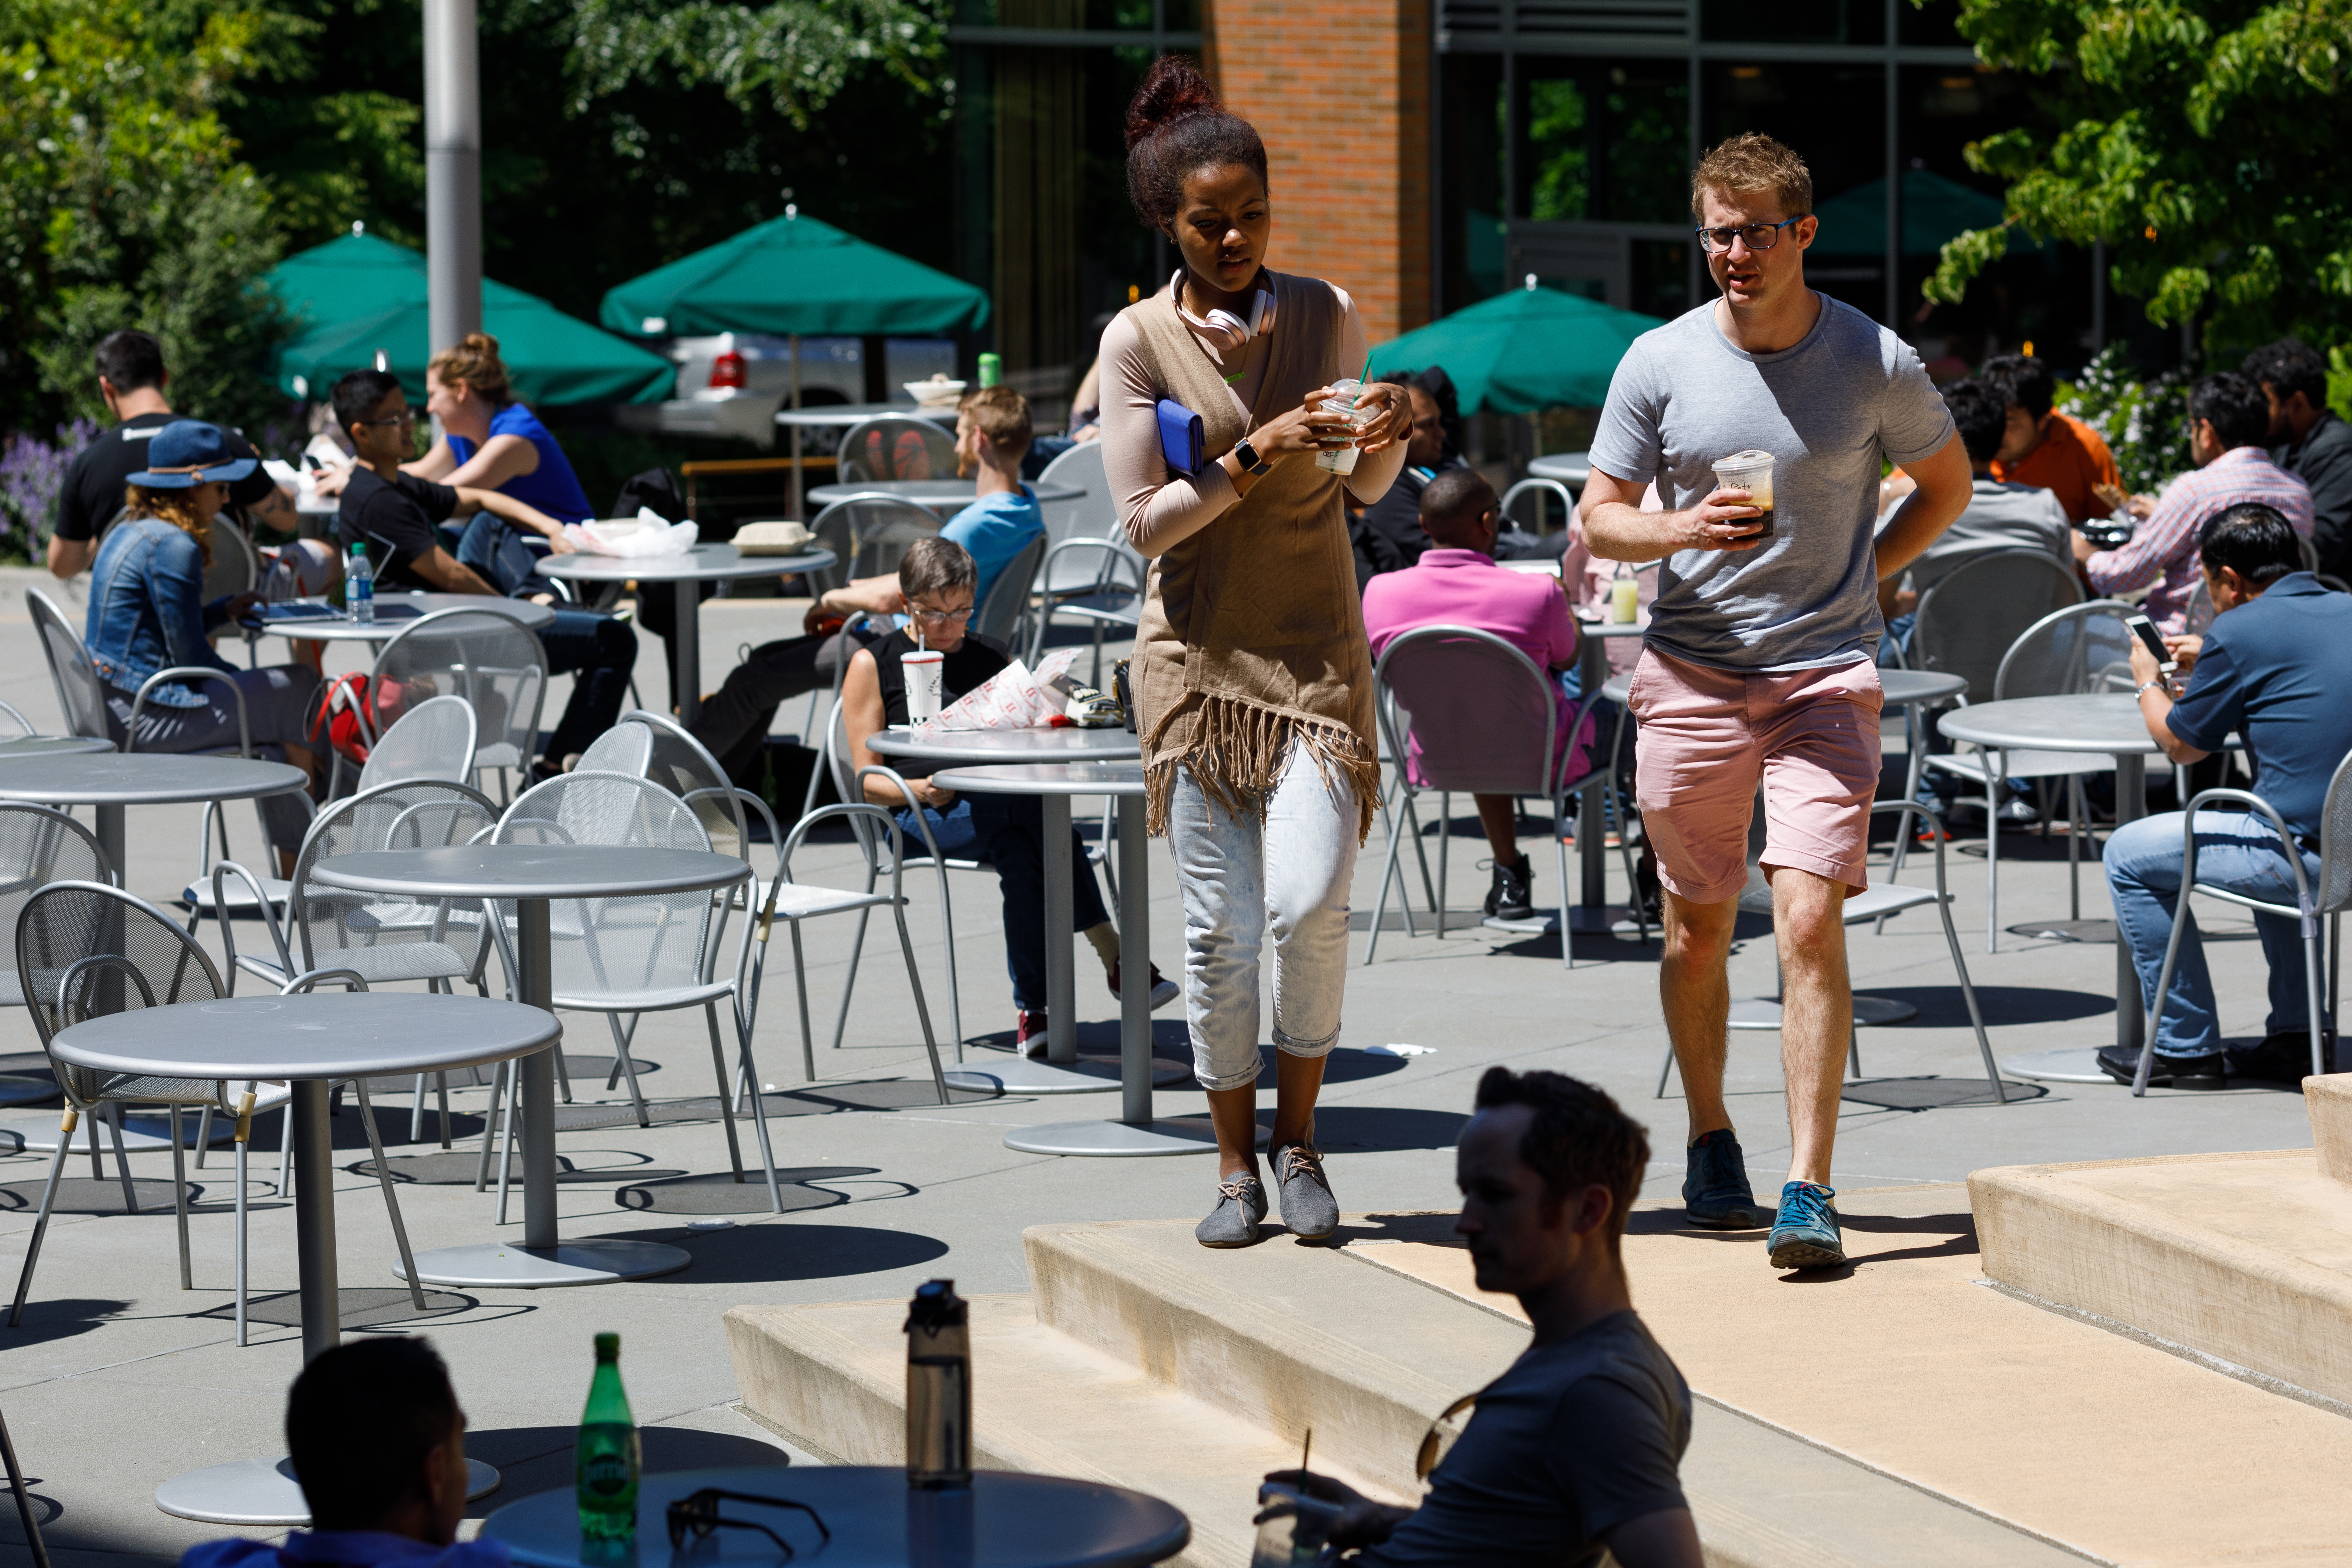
<point x="1341" y="96"/>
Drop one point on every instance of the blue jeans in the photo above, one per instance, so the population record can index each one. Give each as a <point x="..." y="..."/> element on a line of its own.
<point x="497" y="554"/>
<point x="2236" y="850"/>
<point x="1009" y="832"/>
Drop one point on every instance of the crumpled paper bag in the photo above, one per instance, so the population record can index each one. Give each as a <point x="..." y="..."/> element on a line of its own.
<point x="647" y="534"/>
<point x="1014" y="698"/>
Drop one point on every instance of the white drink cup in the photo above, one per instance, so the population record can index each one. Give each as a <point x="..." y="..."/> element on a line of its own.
<point x="923" y="673"/>
<point x="1343" y="400"/>
<point x="1751" y="471"/>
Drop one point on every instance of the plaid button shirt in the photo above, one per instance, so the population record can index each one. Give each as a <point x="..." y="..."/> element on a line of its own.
<point x="2163" y="549"/>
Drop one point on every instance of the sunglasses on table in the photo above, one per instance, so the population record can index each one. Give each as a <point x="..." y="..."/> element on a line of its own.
<point x="698" y="1512"/>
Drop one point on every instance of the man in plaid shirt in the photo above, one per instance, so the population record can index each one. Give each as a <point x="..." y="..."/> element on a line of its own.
<point x="2229" y="418"/>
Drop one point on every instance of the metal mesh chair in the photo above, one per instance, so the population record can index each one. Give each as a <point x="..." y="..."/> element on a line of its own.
<point x="39" y="846"/>
<point x="1110" y="595"/>
<point x="1539" y="489"/>
<point x="1000" y="616"/>
<point x="80" y="695"/>
<point x="434" y="740"/>
<point x="490" y="660"/>
<point x="2330" y="898"/>
<point x="1482" y="719"/>
<point x="623" y="748"/>
<point x="87" y="950"/>
<point x="869" y="535"/>
<point x="895" y="447"/>
<point x="25" y="728"/>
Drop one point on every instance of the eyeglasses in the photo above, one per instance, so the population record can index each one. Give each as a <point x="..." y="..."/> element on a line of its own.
<point x="405" y="417"/>
<point x="941" y="617"/>
<point x="699" y="1513"/>
<point x="1757" y="236"/>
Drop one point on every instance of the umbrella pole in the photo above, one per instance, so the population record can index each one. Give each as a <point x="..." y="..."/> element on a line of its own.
<point x="797" y="510"/>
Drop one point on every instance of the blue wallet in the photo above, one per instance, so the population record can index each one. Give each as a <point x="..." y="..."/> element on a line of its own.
<point x="1179" y="438"/>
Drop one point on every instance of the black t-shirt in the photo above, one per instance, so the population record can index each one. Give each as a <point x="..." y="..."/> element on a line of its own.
<point x="967" y="669"/>
<point x="396" y="519"/>
<point x="94" y="488"/>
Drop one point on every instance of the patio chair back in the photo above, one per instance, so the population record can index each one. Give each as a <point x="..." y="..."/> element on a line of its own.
<point x="684" y="765"/>
<point x="87" y="950"/>
<point x="434" y="740"/>
<point x="1476" y="713"/>
<point x="869" y="535"/>
<point x="490" y="660"/>
<point x="895" y="446"/>
<point x="25" y="727"/>
<point x="998" y="617"/>
<point x="623" y="748"/>
<point x="39" y="846"/>
<point x="1093" y="516"/>
<point x="80" y="696"/>
<point x="1973" y="616"/>
<point x="1534" y="515"/>
<point x="2082" y="648"/>
<point x="235" y="566"/>
<point x="2334" y="893"/>
<point x="391" y="936"/>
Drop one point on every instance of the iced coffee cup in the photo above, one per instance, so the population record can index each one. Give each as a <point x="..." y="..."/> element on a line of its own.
<point x="1343" y="400"/>
<point x="923" y="673"/>
<point x="1751" y="471"/>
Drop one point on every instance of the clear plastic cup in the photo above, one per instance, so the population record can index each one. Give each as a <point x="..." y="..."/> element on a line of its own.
<point x="1751" y="471"/>
<point x="1343" y="400"/>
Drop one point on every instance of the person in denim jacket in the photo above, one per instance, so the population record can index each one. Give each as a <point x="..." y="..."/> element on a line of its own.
<point x="147" y="613"/>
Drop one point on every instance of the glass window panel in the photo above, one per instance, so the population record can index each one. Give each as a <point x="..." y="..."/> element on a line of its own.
<point x="1471" y="183"/>
<point x="1796" y="22"/>
<point x="1603" y="141"/>
<point x="1935" y="24"/>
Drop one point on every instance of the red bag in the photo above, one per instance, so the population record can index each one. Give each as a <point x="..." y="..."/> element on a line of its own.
<point x="344" y="710"/>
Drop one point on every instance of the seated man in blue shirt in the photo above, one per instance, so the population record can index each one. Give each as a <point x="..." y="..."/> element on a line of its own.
<point x="378" y="1444"/>
<point x="2273" y="668"/>
<point x="992" y="434"/>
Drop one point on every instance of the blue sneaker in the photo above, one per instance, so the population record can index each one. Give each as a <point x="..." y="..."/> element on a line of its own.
<point x="1715" y="1187"/>
<point x="1805" y="1232"/>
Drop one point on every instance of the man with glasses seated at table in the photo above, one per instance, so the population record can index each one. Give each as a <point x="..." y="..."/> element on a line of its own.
<point x="378" y="1443"/>
<point x="2274" y="668"/>
<point x="937" y="578"/>
<point x="396" y="514"/>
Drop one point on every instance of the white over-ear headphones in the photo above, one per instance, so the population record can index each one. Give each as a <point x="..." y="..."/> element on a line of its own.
<point x="1223" y="328"/>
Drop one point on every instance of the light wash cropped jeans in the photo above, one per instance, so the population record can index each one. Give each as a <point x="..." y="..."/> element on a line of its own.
<point x="2237" y="850"/>
<point x="1241" y="879"/>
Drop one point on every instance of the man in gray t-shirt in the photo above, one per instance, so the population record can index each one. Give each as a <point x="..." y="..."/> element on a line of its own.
<point x="1757" y="668"/>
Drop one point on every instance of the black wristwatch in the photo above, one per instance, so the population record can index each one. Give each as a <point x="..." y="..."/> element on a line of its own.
<point x="1247" y="455"/>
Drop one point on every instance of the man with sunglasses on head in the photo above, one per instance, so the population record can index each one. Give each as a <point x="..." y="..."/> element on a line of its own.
<point x="1757" y="667"/>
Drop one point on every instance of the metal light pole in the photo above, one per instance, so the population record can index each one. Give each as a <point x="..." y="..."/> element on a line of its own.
<point x="453" y="171"/>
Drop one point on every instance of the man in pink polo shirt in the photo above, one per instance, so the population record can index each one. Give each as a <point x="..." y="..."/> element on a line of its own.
<point x="1456" y="583"/>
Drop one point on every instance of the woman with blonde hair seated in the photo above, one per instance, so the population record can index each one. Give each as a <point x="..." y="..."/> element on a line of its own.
<point x="491" y="442"/>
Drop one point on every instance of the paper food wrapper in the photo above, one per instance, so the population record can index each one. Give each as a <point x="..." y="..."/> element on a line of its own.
<point x="1014" y="698"/>
<point x="647" y="534"/>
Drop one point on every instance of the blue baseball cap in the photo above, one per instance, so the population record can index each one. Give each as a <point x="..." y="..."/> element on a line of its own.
<point x="187" y="453"/>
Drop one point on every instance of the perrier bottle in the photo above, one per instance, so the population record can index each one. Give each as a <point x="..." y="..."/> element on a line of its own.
<point x="607" y="1457"/>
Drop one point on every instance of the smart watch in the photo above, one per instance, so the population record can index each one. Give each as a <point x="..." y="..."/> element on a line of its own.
<point x="1247" y="455"/>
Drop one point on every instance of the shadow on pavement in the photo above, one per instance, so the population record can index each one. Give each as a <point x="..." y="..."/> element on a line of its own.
<point x="753" y="1254"/>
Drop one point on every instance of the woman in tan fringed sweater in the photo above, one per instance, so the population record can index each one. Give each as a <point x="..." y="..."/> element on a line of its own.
<point x="1252" y="683"/>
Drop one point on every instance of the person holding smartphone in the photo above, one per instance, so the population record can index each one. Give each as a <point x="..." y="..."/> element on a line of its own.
<point x="2272" y="669"/>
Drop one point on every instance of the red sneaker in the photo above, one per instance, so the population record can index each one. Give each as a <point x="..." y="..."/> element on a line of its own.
<point x="1029" y="1032"/>
<point x="1163" y="989"/>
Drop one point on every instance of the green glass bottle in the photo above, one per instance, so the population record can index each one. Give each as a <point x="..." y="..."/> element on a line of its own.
<point x="607" y="1457"/>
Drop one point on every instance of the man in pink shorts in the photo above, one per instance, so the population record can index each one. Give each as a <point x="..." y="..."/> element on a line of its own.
<point x="1758" y="667"/>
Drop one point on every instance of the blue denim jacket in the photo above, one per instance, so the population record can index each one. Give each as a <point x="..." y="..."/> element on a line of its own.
<point x="147" y="611"/>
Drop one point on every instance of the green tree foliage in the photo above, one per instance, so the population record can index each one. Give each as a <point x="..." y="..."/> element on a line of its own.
<point x="2202" y="141"/>
<point x="123" y="202"/>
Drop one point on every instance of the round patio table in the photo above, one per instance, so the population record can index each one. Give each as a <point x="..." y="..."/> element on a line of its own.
<point x="873" y="1519"/>
<point x="946" y="496"/>
<point x="531" y="875"/>
<point x="702" y="563"/>
<point x="1134" y="1132"/>
<point x="2095" y="722"/>
<point x="308" y="1041"/>
<point x="1567" y="467"/>
<point x="52" y="746"/>
<point x="112" y="780"/>
<point x="394" y="613"/>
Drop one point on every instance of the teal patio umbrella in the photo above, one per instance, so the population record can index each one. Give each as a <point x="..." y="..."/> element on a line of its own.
<point x="359" y="294"/>
<point x="794" y="276"/>
<point x="1522" y="351"/>
<point x="1853" y="222"/>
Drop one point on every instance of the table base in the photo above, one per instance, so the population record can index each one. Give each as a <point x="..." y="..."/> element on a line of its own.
<point x="265" y="1493"/>
<point x="489" y="1265"/>
<point x="1023" y="1075"/>
<point x="2067" y="930"/>
<point x="1118" y="1140"/>
<point x="1764" y="1012"/>
<point x="142" y="1134"/>
<point x="2075" y="1066"/>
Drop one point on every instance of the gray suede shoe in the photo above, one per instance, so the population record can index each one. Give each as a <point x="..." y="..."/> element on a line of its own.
<point x="1241" y="1204"/>
<point x="1308" y="1207"/>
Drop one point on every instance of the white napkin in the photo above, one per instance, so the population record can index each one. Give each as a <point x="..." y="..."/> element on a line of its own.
<point x="646" y="534"/>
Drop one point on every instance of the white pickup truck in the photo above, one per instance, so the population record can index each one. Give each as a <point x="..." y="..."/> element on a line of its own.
<point x="733" y="384"/>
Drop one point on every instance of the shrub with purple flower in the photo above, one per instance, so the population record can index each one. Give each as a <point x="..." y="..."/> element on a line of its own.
<point x="31" y="477"/>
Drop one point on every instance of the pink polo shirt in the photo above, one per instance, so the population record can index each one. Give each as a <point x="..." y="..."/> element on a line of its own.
<point x="1463" y="587"/>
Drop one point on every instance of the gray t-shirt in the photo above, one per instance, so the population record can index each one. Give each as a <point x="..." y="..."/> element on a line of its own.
<point x="2000" y="517"/>
<point x="1572" y="1441"/>
<point x="1828" y="411"/>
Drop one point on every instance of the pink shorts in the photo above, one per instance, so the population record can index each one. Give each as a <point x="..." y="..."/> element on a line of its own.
<point x="1706" y="738"/>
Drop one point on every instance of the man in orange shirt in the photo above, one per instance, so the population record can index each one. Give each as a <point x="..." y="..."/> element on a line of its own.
<point x="2053" y="452"/>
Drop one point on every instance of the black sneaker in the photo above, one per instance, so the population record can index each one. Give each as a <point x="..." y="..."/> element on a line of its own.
<point x="1512" y="896"/>
<point x="2207" y="1072"/>
<point x="1715" y="1193"/>
<point x="2283" y="1058"/>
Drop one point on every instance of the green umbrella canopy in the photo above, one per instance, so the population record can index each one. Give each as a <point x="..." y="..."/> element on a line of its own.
<point x="1853" y="223"/>
<point x="1524" y="350"/>
<point x="359" y="294"/>
<point x="795" y="275"/>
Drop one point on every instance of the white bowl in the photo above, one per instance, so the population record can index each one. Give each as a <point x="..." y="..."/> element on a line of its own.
<point x="932" y="394"/>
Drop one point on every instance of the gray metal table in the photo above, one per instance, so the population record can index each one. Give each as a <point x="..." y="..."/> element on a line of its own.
<point x="700" y="564"/>
<point x="1005" y="1519"/>
<point x="1567" y="467"/>
<point x="2095" y="723"/>
<point x="307" y="1041"/>
<point x="947" y="497"/>
<point x="52" y="746"/>
<point x="1134" y="1132"/>
<point x="112" y="780"/>
<point x="395" y="612"/>
<point x="531" y="875"/>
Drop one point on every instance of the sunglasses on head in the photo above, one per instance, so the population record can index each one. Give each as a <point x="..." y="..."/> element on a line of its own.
<point x="699" y="1513"/>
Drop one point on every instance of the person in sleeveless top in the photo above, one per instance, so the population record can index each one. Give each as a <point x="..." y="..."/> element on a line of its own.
<point x="1253" y="684"/>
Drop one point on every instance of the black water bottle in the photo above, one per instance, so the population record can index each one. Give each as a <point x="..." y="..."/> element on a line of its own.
<point x="939" y="1387"/>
